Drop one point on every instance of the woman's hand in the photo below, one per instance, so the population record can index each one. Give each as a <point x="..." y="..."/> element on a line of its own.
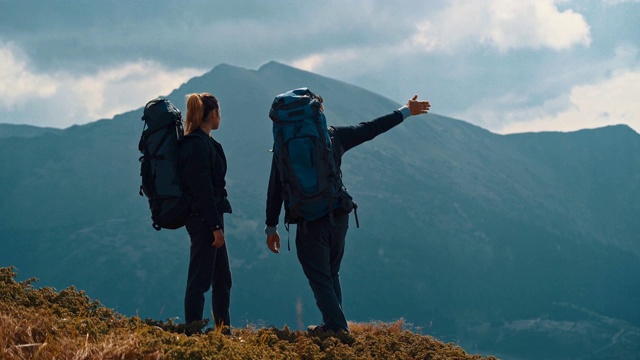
<point x="218" y="238"/>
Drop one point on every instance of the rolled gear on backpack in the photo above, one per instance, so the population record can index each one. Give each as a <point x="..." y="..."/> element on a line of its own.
<point x="160" y="144"/>
<point x="312" y="185"/>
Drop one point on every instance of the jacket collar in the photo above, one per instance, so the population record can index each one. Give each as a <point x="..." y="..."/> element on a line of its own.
<point x="201" y="133"/>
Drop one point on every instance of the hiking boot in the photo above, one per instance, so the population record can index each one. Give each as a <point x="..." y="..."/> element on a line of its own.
<point x="323" y="331"/>
<point x="316" y="329"/>
<point x="225" y="330"/>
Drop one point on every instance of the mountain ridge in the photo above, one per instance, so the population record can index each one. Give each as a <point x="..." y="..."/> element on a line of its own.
<point x="24" y="131"/>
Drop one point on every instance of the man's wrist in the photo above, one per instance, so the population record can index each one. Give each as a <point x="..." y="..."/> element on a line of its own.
<point x="405" y="111"/>
<point x="270" y="230"/>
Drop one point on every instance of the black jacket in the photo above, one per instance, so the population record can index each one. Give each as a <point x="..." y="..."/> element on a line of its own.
<point x="343" y="139"/>
<point x="203" y="167"/>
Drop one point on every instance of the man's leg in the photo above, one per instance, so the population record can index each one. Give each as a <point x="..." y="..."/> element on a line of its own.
<point x="337" y="252"/>
<point x="313" y="246"/>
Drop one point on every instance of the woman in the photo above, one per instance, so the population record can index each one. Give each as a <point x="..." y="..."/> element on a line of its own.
<point x="203" y="168"/>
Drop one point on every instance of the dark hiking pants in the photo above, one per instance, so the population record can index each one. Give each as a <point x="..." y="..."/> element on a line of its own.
<point x="320" y="247"/>
<point x="208" y="268"/>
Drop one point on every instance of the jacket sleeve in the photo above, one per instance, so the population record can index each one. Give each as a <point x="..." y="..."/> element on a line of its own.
<point x="196" y="157"/>
<point x="352" y="136"/>
<point x="274" y="195"/>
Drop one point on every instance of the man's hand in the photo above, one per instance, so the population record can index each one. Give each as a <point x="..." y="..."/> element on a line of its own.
<point x="418" y="107"/>
<point x="218" y="238"/>
<point x="273" y="242"/>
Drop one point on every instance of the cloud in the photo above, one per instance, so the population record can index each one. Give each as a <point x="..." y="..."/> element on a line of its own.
<point x="19" y="83"/>
<point x="503" y="24"/>
<point x="62" y="98"/>
<point x="616" y="2"/>
<point x="609" y="102"/>
<point x="459" y="27"/>
<point x="127" y="86"/>
<point x="573" y="95"/>
<point x="349" y="61"/>
<point x="318" y="60"/>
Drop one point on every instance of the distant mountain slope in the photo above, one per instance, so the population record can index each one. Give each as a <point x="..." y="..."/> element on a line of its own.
<point x="491" y="241"/>
<point x="25" y="131"/>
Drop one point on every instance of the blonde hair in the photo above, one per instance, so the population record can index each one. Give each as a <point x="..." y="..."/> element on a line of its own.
<point x="198" y="108"/>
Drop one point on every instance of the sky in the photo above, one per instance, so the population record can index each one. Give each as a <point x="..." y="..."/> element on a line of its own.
<point x="508" y="66"/>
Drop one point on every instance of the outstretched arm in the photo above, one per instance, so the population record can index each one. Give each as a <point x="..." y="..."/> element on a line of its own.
<point x="351" y="136"/>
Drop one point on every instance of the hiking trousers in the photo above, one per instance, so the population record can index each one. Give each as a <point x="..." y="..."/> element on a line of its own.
<point x="208" y="268"/>
<point x="320" y="247"/>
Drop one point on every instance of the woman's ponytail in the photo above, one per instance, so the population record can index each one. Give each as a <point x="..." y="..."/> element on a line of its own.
<point x="195" y="111"/>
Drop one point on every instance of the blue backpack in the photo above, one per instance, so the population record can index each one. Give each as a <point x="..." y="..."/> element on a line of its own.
<point x="159" y="145"/>
<point x="311" y="183"/>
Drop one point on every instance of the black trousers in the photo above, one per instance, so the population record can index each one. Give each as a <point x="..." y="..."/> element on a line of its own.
<point x="208" y="268"/>
<point x="320" y="247"/>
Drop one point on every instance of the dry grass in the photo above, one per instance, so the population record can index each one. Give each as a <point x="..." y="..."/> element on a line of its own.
<point x="45" y="324"/>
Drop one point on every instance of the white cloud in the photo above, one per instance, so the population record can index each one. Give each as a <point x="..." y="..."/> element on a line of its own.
<point x="462" y="25"/>
<point x="348" y="60"/>
<point x="18" y="83"/>
<point x="315" y="61"/>
<point x="128" y="86"/>
<point x="63" y="99"/>
<point x="609" y="102"/>
<point x="503" y="24"/>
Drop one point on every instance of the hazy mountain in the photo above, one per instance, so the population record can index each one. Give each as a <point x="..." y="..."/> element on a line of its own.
<point x="525" y="246"/>
<point x="25" y="131"/>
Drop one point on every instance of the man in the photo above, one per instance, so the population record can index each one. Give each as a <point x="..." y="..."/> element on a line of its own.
<point x="320" y="242"/>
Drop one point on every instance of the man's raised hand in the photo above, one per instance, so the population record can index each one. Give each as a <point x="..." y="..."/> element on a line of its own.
<point x="418" y="107"/>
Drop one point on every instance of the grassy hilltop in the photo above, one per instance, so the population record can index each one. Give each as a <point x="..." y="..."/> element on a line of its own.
<point x="46" y="324"/>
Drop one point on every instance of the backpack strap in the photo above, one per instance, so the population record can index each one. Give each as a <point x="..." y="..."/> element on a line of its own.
<point x="355" y="213"/>
<point x="329" y="159"/>
<point x="280" y="167"/>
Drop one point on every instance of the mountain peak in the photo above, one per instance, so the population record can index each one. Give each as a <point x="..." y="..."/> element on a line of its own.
<point x="274" y="65"/>
<point x="271" y="64"/>
<point x="619" y="129"/>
